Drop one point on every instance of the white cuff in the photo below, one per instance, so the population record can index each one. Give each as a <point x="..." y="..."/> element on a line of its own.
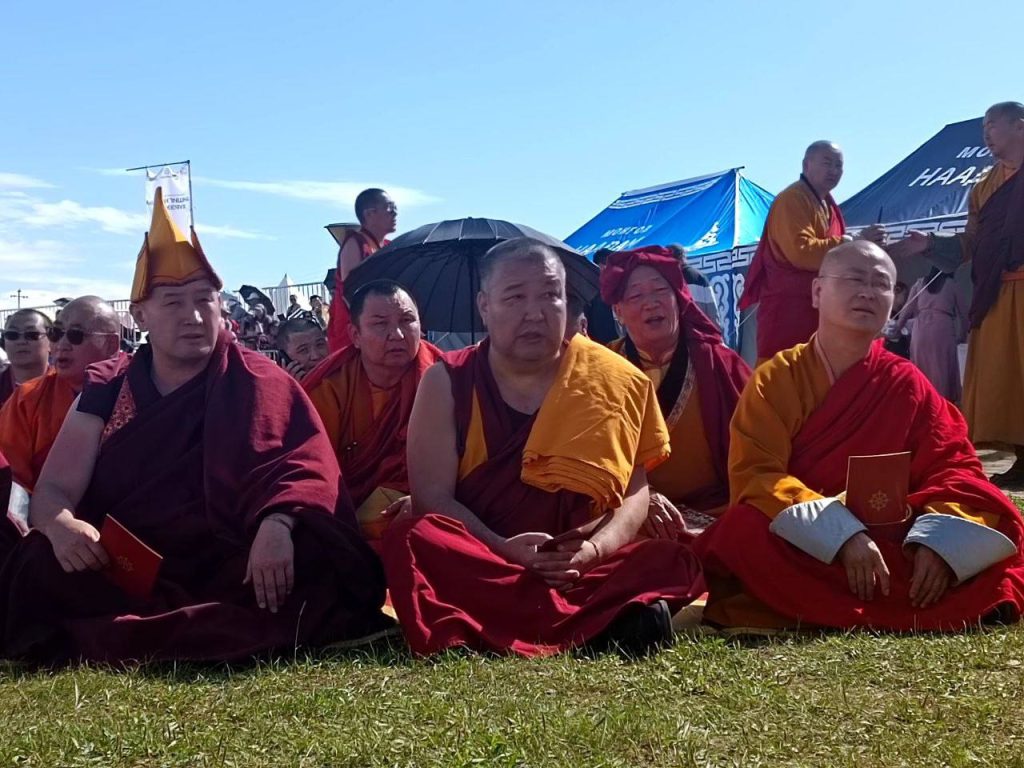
<point x="818" y="527"/>
<point x="967" y="547"/>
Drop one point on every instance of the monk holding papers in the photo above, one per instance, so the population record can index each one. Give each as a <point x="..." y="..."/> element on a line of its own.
<point x="917" y="542"/>
<point x="528" y="459"/>
<point x="364" y="394"/>
<point x="698" y="380"/>
<point x="213" y="458"/>
<point x="87" y="332"/>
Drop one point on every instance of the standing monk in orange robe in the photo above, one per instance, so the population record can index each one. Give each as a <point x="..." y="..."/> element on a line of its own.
<point x="364" y="394"/>
<point x="698" y="378"/>
<point x="528" y="459"/>
<point x="994" y="244"/>
<point x="791" y="551"/>
<point x="378" y="217"/>
<point x="803" y="224"/>
<point x="87" y="332"/>
<point x="27" y="348"/>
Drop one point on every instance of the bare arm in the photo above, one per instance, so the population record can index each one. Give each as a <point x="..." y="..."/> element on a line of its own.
<point x="62" y="483"/>
<point x="620" y="526"/>
<point x="68" y="469"/>
<point x="433" y="459"/>
<point x="350" y="257"/>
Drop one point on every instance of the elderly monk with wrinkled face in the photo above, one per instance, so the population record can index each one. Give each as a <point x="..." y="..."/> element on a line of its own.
<point x="698" y="380"/>
<point x="790" y="551"/>
<point x="528" y="458"/>
<point x="364" y="394"/>
<point x="803" y="224"/>
<point x="88" y="331"/>
<point x="213" y="457"/>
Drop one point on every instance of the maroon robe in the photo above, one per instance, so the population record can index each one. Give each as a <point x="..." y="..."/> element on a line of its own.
<point x="998" y="245"/>
<point x="193" y="474"/>
<point x="450" y="589"/>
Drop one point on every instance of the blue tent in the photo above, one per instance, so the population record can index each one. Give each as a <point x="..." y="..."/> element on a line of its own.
<point x="930" y="185"/>
<point x="717" y="218"/>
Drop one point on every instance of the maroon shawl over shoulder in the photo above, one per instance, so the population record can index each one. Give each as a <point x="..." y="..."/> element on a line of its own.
<point x="998" y="245"/>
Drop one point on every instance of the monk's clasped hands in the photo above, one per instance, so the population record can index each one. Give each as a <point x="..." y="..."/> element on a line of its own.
<point x="864" y="566"/>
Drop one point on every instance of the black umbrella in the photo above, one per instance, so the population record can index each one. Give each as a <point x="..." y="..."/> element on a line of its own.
<point x="254" y="296"/>
<point x="329" y="279"/>
<point x="437" y="263"/>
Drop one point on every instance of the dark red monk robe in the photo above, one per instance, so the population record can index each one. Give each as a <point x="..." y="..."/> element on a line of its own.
<point x="780" y="282"/>
<point x="193" y="474"/>
<point x="883" y="404"/>
<point x="337" y="324"/>
<point x="449" y="589"/>
<point x="7" y="385"/>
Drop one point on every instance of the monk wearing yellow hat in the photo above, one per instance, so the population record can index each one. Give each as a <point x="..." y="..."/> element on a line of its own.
<point x="215" y="459"/>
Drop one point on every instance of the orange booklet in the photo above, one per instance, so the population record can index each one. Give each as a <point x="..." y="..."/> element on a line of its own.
<point x="877" y="487"/>
<point x="133" y="566"/>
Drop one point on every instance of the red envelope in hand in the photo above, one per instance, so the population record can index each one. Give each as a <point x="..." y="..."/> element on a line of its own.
<point x="133" y="566"/>
<point x="877" y="487"/>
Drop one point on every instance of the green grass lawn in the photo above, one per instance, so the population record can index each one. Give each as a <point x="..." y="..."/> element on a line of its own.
<point x="837" y="700"/>
<point x="843" y="699"/>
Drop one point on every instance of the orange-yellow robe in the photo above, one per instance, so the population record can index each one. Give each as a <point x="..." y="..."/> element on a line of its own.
<point x="801" y="228"/>
<point x="29" y="423"/>
<point x="772" y="558"/>
<point x="994" y="376"/>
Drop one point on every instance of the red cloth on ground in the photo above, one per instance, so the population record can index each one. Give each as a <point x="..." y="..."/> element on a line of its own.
<point x="721" y="374"/>
<point x="450" y="589"/>
<point x="378" y="460"/>
<point x="785" y="316"/>
<point x="337" y="324"/>
<point x="881" y="405"/>
<point x="193" y="474"/>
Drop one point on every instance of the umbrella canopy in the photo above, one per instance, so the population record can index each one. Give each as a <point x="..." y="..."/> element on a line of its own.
<point x="437" y="263"/>
<point x="253" y="296"/>
<point x="329" y="279"/>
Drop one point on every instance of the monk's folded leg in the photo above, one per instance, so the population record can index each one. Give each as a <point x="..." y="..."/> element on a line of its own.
<point x="449" y="589"/>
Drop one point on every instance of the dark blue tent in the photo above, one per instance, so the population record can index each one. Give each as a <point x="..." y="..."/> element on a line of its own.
<point x="932" y="184"/>
<point x="717" y="218"/>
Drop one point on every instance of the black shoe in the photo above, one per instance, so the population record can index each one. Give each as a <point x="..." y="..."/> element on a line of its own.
<point x="640" y="630"/>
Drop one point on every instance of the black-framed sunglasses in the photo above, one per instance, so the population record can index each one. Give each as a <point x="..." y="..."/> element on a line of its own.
<point x="75" y="335"/>
<point x="29" y="335"/>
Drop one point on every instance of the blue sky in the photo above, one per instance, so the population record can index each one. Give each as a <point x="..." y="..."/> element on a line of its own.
<point x="536" y="112"/>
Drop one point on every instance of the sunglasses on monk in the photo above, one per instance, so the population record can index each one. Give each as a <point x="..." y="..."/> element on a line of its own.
<point x="29" y="335"/>
<point x="75" y="335"/>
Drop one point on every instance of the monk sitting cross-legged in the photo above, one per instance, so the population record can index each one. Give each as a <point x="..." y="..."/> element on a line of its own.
<point x="791" y="550"/>
<point x="698" y="379"/>
<point x="214" y="458"/>
<point x="528" y="458"/>
<point x="364" y="394"/>
<point x="88" y="331"/>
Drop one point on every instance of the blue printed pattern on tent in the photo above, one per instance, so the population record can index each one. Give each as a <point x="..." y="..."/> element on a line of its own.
<point x="715" y="218"/>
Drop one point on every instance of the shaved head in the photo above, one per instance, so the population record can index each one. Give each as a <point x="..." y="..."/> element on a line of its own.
<point x="524" y="249"/>
<point x="91" y="313"/>
<point x="822" y="145"/>
<point x="854" y="291"/>
<point x="857" y="252"/>
<point x="823" y="166"/>
<point x="1008" y="110"/>
<point x="26" y="315"/>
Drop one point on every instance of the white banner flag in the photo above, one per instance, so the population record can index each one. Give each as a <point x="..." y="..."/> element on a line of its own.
<point x="174" y="181"/>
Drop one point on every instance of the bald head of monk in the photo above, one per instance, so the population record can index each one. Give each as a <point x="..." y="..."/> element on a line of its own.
<point x="183" y="322"/>
<point x="823" y="166"/>
<point x="1004" y="132"/>
<point x="522" y="301"/>
<point x="87" y="332"/>
<point x="26" y="343"/>
<point x="853" y="292"/>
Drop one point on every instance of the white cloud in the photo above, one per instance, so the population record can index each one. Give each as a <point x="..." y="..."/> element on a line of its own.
<point x="341" y="193"/>
<point x="20" y="181"/>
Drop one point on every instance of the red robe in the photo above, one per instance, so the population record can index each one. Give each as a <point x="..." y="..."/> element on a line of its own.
<point x="881" y="405"/>
<point x="449" y="589"/>
<point x="193" y="474"/>
<point x="780" y="282"/>
<point x="337" y="325"/>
